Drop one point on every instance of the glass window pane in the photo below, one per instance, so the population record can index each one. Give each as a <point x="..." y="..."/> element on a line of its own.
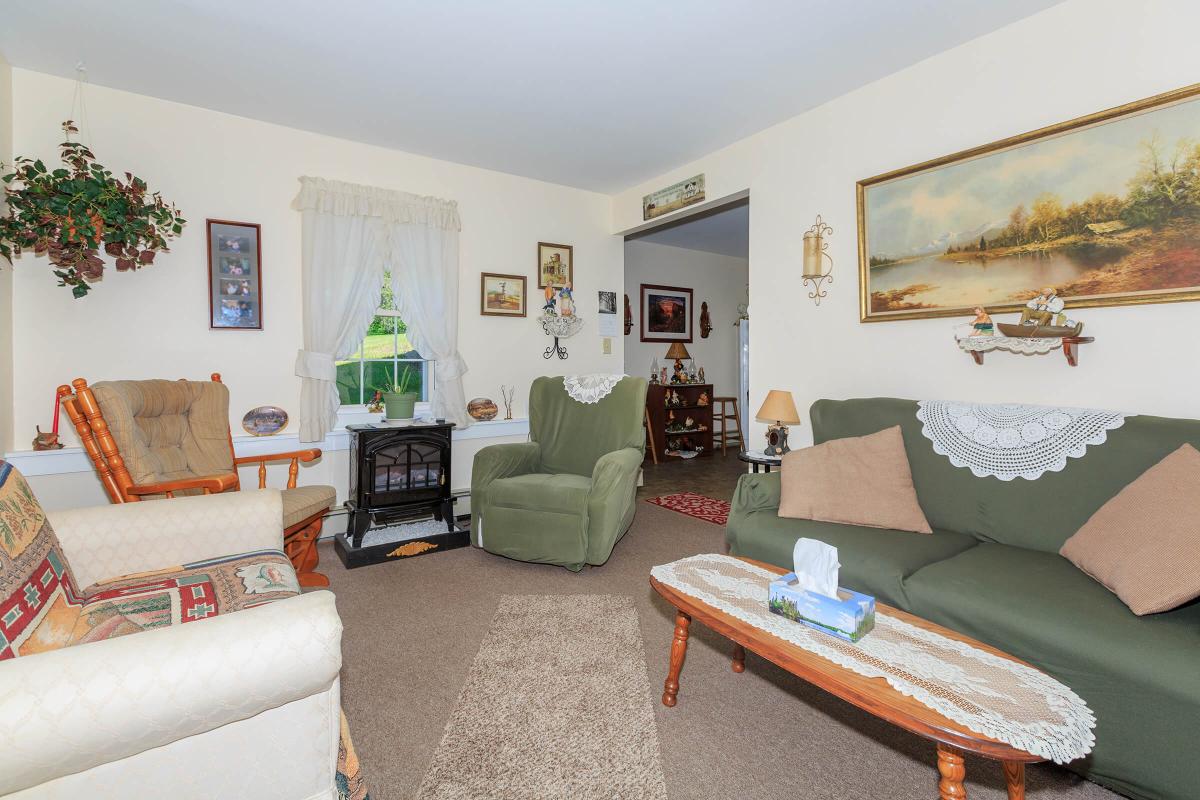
<point x="348" y="383"/>
<point x="377" y="376"/>
<point x="380" y="341"/>
<point x="386" y="301"/>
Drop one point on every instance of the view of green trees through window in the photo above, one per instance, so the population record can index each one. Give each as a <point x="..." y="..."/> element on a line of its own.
<point x="383" y="355"/>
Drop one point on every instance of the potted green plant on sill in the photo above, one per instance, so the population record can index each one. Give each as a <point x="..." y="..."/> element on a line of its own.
<point x="398" y="401"/>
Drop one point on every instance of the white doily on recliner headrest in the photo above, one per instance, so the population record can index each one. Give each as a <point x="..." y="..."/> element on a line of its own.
<point x="1012" y="440"/>
<point x="590" y="388"/>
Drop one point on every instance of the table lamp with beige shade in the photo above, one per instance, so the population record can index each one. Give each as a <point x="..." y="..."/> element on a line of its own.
<point x="779" y="409"/>
<point x="680" y="353"/>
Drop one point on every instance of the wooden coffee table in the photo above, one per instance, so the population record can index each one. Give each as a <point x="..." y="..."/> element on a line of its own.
<point x="873" y="695"/>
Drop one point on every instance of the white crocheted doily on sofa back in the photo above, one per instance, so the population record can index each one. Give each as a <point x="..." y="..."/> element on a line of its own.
<point x="1012" y="440"/>
<point x="590" y="388"/>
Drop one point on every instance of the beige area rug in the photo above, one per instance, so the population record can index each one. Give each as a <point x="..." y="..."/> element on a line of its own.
<point x="556" y="705"/>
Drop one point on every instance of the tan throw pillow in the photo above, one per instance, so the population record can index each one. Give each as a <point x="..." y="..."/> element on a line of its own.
<point x="1144" y="544"/>
<point x="863" y="480"/>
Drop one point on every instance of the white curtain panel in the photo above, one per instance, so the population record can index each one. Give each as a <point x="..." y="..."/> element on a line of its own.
<point x="351" y="235"/>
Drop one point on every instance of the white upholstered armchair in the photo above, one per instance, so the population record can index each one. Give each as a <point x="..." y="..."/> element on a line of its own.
<point x="234" y="705"/>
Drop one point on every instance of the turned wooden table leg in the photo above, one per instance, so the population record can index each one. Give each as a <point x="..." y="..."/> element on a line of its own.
<point x="952" y="771"/>
<point x="1014" y="775"/>
<point x="739" y="658"/>
<point x="678" y="651"/>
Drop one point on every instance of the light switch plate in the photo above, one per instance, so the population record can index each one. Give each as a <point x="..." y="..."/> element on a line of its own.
<point x="606" y="346"/>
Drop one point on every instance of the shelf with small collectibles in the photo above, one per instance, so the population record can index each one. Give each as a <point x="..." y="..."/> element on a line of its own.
<point x="559" y="318"/>
<point x="1042" y="327"/>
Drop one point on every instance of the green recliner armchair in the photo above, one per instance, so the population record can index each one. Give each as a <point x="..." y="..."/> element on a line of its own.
<point x="568" y="495"/>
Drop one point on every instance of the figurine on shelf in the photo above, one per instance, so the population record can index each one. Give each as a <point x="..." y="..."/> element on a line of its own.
<point x="376" y="404"/>
<point x="548" y="308"/>
<point x="670" y="418"/>
<point x="702" y="374"/>
<point x="676" y="400"/>
<point x="1042" y="309"/>
<point x="566" y="301"/>
<point x="703" y="401"/>
<point x="663" y="377"/>
<point x="46" y="441"/>
<point x="680" y="376"/>
<point x="982" y="324"/>
<point x="689" y="423"/>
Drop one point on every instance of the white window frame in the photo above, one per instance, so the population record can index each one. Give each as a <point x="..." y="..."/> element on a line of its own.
<point x="350" y="413"/>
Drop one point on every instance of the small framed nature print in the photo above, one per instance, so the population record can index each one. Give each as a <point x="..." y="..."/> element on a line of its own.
<point x="556" y="264"/>
<point x="234" y="275"/>
<point x="501" y="295"/>
<point x="666" y="313"/>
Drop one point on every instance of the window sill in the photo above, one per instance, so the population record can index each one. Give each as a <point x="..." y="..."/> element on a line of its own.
<point x="74" y="459"/>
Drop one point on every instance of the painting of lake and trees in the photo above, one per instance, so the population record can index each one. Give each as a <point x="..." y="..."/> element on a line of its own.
<point x="1106" y="209"/>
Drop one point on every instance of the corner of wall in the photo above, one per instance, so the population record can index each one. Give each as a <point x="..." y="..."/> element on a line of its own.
<point x="7" y="434"/>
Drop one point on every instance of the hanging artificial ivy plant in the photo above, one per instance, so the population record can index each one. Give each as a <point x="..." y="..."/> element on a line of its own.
<point x="69" y="213"/>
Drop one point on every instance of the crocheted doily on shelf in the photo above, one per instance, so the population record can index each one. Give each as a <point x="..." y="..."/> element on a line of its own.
<point x="590" y="388"/>
<point x="1003" y="699"/>
<point x="1012" y="440"/>
<point x="982" y="344"/>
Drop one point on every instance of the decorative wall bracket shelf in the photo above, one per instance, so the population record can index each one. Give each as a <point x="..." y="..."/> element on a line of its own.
<point x="559" y="328"/>
<point x="1070" y="346"/>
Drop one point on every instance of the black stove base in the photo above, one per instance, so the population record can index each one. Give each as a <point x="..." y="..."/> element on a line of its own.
<point x="353" y="557"/>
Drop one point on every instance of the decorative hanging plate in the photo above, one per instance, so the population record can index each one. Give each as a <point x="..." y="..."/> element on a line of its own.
<point x="265" y="420"/>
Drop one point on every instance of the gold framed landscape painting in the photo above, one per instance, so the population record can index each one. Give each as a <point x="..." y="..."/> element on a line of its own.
<point x="1105" y="208"/>
<point x="501" y="295"/>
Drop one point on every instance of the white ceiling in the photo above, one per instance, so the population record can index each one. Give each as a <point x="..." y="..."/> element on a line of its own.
<point x="725" y="232"/>
<point x="599" y="95"/>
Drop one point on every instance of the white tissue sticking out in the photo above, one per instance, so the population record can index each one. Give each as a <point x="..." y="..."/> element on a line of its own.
<point x="816" y="565"/>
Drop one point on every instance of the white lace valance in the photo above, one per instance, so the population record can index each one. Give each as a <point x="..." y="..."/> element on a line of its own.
<point x="1004" y="699"/>
<point x="1012" y="440"/>
<point x="983" y="344"/>
<point x="590" y="388"/>
<point x="355" y="200"/>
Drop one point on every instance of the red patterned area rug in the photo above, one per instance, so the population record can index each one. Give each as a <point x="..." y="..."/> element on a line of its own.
<point x="695" y="505"/>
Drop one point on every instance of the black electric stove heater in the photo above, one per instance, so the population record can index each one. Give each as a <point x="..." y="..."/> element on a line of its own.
<point x="398" y="473"/>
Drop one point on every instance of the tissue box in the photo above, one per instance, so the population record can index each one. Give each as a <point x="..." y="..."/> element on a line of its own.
<point x="848" y="617"/>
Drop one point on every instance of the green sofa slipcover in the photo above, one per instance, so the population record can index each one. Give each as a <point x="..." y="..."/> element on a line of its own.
<point x="566" y="496"/>
<point x="992" y="570"/>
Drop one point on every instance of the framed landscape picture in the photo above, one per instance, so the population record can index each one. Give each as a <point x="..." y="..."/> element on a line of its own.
<point x="556" y="264"/>
<point x="501" y="295"/>
<point x="1105" y="208"/>
<point x="666" y="313"/>
<point x="234" y="275"/>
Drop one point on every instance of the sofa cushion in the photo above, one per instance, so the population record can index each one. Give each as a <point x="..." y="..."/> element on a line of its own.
<point x="874" y="560"/>
<point x="1144" y="544"/>
<point x="1040" y="514"/>
<point x="39" y="599"/>
<point x="859" y="480"/>
<point x="563" y="493"/>
<point x="302" y="502"/>
<point x="1138" y="674"/>
<point x="185" y="593"/>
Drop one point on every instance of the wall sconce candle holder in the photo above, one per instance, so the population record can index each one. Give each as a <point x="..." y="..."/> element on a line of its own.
<point x="559" y="328"/>
<point x="814" y="259"/>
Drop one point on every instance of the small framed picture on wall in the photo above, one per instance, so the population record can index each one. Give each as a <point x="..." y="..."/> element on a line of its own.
<point x="556" y="264"/>
<point x="501" y="295"/>
<point x="234" y="275"/>
<point x="666" y="313"/>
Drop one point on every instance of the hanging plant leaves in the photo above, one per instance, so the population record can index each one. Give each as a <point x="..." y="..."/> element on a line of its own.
<point x="70" y="214"/>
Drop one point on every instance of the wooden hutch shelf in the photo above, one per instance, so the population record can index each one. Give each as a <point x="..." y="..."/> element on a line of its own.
<point x="658" y="415"/>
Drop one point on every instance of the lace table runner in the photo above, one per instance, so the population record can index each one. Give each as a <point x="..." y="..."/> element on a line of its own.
<point x="1012" y="440"/>
<point x="590" y="388"/>
<point x="999" y="698"/>
<point x="1026" y="346"/>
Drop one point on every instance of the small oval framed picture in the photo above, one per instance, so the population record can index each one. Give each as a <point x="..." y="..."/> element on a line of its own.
<point x="265" y="420"/>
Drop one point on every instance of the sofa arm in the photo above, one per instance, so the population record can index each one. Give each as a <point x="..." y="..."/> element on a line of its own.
<point x="612" y="500"/>
<point x="69" y="710"/>
<point x="754" y="492"/>
<point x="103" y="542"/>
<point x="494" y="462"/>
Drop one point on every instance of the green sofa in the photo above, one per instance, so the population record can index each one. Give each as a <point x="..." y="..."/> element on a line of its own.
<point x="566" y="496"/>
<point x="992" y="570"/>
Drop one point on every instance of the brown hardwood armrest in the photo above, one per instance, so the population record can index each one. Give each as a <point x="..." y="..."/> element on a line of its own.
<point x="296" y="456"/>
<point x="210" y="484"/>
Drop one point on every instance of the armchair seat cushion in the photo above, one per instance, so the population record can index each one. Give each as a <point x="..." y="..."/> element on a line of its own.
<point x="302" y="502"/>
<point x="186" y="593"/>
<point x="561" y="493"/>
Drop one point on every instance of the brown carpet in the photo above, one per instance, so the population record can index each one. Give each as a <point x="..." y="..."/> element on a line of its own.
<point x="413" y="628"/>
<point x="557" y="704"/>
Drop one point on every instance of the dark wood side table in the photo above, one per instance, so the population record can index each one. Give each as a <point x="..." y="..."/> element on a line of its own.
<point x="757" y="459"/>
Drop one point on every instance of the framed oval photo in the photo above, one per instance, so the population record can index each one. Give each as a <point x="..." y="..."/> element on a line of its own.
<point x="265" y="420"/>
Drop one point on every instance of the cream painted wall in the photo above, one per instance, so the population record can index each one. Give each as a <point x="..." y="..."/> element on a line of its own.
<point x="155" y="323"/>
<point x="719" y="280"/>
<point x="1073" y="59"/>
<point x="6" y="274"/>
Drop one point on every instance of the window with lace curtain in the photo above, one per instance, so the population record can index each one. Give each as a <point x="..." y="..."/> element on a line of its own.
<point x="382" y="357"/>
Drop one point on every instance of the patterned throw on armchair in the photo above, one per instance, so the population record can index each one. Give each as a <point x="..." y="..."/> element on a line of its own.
<point x="197" y="701"/>
<point x="568" y="495"/>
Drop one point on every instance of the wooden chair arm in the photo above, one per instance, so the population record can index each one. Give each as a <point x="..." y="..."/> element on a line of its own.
<point x="213" y="484"/>
<point x="296" y="456"/>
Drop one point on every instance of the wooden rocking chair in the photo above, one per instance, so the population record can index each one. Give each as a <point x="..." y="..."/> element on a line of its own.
<point x="157" y="438"/>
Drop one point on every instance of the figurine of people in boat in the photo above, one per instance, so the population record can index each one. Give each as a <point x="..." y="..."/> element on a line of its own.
<point x="1042" y="309"/>
<point x="982" y="324"/>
